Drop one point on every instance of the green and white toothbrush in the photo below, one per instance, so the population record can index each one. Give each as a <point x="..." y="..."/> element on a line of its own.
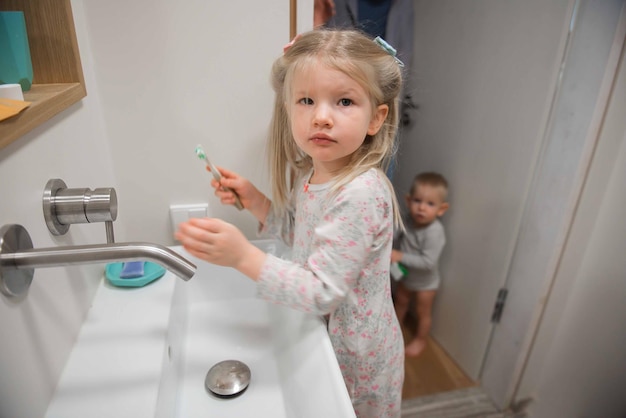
<point x="216" y="174"/>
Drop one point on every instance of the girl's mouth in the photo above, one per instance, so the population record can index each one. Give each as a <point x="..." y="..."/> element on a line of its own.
<point x="321" y="139"/>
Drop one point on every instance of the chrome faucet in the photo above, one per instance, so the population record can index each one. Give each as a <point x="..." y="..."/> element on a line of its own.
<point x="18" y="259"/>
<point x="63" y="207"/>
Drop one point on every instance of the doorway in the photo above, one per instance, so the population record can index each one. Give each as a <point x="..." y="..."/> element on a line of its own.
<point x="507" y="100"/>
<point x="483" y="79"/>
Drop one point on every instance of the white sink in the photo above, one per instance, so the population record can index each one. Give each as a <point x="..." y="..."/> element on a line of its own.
<point x="145" y="353"/>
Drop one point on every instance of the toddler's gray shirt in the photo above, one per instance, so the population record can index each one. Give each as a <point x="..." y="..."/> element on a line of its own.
<point x="421" y="248"/>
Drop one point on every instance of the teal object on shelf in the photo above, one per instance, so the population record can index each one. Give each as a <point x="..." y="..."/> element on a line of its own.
<point x="15" y="62"/>
<point x="151" y="272"/>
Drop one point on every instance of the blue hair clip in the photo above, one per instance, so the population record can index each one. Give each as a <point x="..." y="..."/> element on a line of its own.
<point x="389" y="49"/>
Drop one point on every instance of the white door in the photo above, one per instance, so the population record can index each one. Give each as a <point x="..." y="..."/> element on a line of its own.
<point x="581" y="120"/>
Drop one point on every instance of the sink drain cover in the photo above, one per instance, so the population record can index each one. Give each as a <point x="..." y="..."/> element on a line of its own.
<point x="228" y="378"/>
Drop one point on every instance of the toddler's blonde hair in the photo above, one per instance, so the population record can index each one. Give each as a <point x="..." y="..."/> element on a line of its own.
<point x="431" y="179"/>
<point x="361" y="59"/>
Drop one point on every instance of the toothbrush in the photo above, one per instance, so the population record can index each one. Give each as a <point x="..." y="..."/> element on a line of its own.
<point x="216" y="174"/>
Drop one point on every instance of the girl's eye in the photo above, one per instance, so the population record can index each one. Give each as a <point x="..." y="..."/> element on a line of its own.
<point x="345" y="102"/>
<point x="306" y="101"/>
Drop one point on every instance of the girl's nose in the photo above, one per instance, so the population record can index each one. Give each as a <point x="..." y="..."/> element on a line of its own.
<point x="322" y="116"/>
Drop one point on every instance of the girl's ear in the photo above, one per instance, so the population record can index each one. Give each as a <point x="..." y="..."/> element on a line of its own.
<point x="378" y="118"/>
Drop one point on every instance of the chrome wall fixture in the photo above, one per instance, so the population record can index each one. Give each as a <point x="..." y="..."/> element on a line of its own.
<point x="14" y="282"/>
<point x="18" y="259"/>
<point x="63" y="207"/>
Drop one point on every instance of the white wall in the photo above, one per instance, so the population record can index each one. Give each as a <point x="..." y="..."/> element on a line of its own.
<point x="37" y="333"/>
<point x="161" y="77"/>
<point x="176" y="74"/>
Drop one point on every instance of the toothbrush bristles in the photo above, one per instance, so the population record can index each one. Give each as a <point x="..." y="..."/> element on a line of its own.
<point x="200" y="152"/>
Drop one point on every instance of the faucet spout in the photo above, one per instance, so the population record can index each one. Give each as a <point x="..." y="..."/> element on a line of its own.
<point x="100" y="253"/>
<point x="18" y="258"/>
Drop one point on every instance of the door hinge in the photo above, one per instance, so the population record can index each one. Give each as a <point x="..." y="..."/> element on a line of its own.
<point x="499" y="306"/>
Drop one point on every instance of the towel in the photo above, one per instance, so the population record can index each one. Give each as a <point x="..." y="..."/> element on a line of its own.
<point x="9" y="107"/>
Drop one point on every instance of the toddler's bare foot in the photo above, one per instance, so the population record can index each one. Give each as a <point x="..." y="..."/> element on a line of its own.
<point x="415" y="347"/>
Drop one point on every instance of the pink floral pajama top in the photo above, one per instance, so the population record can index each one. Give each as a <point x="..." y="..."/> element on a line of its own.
<point x="341" y="249"/>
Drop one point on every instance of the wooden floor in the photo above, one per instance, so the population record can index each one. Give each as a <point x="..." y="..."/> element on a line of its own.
<point x="432" y="372"/>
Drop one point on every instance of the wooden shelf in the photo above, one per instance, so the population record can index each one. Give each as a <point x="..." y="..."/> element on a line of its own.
<point x="46" y="101"/>
<point x="57" y="72"/>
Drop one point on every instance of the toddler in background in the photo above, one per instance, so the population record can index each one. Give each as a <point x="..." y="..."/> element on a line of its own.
<point x="418" y="249"/>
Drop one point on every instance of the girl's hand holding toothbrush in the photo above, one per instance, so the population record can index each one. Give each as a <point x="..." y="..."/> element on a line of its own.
<point x="252" y="199"/>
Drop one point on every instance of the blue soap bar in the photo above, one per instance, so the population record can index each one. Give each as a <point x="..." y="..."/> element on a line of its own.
<point x="132" y="269"/>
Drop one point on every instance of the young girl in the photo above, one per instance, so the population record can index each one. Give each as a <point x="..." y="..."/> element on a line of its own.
<point x="331" y="137"/>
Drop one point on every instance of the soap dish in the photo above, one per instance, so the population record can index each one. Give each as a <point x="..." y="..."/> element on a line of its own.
<point x="151" y="271"/>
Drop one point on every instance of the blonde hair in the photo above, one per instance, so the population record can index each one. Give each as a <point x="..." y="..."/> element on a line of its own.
<point x="431" y="179"/>
<point x="375" y="70"/>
